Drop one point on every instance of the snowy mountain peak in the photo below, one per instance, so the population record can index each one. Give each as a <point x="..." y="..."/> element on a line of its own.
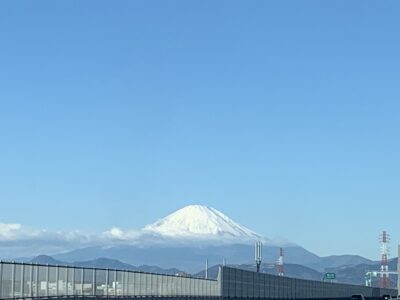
<point x="197" y="221"/>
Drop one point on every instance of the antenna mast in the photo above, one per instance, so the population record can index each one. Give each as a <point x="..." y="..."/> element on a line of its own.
<point x="207" y="268"/>
<point x="281" y="266"/>
<point x="384" y="279"/>
<point x="258" y="255"/>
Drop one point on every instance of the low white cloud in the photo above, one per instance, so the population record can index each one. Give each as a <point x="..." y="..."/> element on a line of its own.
<point x="17" y="240"/>
<point x="189" y="225"/>
<point x="18" y="232"/>
<point x="116" y="233"/>
<point x="11" y="232"/>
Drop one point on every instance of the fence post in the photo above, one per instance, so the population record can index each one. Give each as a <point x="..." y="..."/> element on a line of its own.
<point x="122" y="283"/>
<point x="47" y="280"/>
<point x="66" y="280"/>
<point x="22" y="288"/>
<point x="115" y="282"/>
<point x="57" y="277"/>
<point x="82" y="280"/>
<point x="31" y="280"/>
<point x="94" y="282"/>
<point x="13" y="280"/>
<point x="107" y="274"/>
<point x="127" y="282"/>
<point x="73" y="281"/>
<point x="37" y="280"/>
<point x="1" y="279"/>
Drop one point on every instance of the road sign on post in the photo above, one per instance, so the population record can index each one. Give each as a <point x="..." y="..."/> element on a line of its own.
<point x="330" y="276"/>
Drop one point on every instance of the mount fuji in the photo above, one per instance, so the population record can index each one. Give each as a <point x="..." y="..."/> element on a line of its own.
<point x="197" y="222"/>
<point x="188" y="237"/>
<point x="185" y="239"/>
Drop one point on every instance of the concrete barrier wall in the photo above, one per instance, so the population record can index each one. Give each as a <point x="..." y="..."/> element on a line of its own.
<point x="236" y="283"/>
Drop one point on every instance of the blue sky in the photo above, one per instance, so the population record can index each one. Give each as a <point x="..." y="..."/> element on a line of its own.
<point x="284" y="115"/>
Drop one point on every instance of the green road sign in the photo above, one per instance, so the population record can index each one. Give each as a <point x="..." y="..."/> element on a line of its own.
<point x="330" y="276"/>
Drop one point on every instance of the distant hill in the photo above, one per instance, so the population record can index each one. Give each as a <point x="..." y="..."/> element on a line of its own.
<point x="356" y="274"/>
<point x="105" y="263"/>
<point x="344" y="274"/>
<point x="48" y="260"/>
<point x="335" y="261"/>
<point x="190" y="259"/>
<point x="184" y="240"/>
<point x="291" y="270"/>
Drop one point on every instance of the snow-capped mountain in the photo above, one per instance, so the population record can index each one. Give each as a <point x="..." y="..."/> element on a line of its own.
<point x="184" y="239"/>
<point x="201" y="222"/>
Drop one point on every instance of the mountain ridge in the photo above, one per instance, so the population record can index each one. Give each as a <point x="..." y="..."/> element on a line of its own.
<point x="105" y="263"/>
<point x="345" y="274"/>
<point x="198" y="221"/>
<point x="185" y="239"/>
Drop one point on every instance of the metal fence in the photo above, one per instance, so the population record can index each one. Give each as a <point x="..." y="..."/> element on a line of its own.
<point x="20" y="280"/>
<point x="238" y="283"/>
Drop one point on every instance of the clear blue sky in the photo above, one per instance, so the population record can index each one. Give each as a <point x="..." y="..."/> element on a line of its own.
<point x="284" y="115"/>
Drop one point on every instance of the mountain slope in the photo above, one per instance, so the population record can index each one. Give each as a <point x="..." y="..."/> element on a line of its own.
<point x="346" y="274"/>
<point x="47" y="260"/>
<point x="291" y="270"/>
<point x="336" y="261"/>
<point x="105" y="263"/>
<point x="196" y="221"/>
<point x="188" y="237"/>
<point x="189" y="259"/>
